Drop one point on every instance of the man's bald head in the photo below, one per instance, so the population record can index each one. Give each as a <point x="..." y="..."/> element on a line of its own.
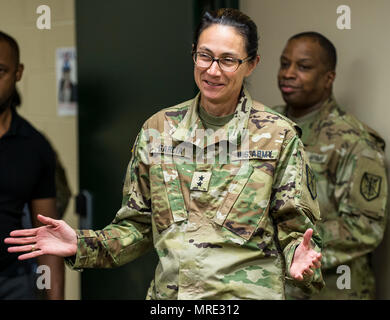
<point x="13" y="44"/>
<point x="11" y="71"/>
<point x="329" y="51"/>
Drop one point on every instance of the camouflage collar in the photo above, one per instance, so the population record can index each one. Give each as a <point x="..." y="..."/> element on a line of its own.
<point x="329" y="110"/>
<point x="186" y="130"/>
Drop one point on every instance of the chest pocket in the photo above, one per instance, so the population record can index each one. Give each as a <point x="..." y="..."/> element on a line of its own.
<point x="247" y="199"/>
<point x="166" y="196"/>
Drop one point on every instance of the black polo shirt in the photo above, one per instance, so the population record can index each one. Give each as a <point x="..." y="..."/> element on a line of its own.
<point x="27" y="168"/>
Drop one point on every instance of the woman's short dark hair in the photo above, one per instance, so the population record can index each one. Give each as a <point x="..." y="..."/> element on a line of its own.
<point x="233" y="18"/>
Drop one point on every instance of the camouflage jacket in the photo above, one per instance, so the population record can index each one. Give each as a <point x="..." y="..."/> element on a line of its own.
<point x="224" y="221"/>
<point x="347" y="158"/>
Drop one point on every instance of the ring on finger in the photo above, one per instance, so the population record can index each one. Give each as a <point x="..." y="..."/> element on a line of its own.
<point x="32" y="248"/>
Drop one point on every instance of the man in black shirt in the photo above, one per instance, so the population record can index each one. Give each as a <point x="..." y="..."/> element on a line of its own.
<point x="27" y="166"/>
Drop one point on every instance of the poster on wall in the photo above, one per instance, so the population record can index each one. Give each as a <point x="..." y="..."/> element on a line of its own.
<point x="66" y="75"/>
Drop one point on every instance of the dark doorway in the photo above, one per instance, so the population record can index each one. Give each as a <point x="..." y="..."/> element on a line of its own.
<point x="134" y="58"/>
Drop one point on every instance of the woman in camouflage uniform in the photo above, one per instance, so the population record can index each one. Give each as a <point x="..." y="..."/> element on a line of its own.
<point x="219" y="185"/>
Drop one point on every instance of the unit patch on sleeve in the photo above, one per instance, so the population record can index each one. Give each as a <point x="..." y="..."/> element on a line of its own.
<point x="311" y="182"/>
<point x="370" y="186"/>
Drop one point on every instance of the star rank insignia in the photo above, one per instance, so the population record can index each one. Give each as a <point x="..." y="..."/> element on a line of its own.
<point x="200" y="181"/>
<point x="370" y="186"/>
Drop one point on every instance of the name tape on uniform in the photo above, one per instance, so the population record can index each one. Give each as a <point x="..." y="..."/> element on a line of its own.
<point x="255" y="154"/>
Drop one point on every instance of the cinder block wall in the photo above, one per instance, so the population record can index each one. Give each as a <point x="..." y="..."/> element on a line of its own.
<point x="38" y="87"/>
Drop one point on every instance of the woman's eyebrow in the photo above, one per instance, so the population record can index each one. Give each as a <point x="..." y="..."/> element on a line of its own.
<point x="222" y="54"/>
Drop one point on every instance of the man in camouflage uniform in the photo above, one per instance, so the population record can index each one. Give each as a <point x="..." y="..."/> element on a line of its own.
<point x="347" y="158"/>
<point x="225" y="224"/>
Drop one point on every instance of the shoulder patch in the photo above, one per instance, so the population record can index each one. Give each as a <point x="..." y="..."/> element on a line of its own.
<point x="311" y="182"/>
<point x="370" y="186"/>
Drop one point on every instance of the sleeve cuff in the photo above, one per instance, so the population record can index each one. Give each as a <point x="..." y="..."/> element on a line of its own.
<point x="87" y="251"/>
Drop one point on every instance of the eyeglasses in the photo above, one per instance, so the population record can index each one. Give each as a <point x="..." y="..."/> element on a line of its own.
<point x="228" y="64"/>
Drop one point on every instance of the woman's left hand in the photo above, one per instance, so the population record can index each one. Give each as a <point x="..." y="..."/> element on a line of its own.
<point x="305" y="258"/>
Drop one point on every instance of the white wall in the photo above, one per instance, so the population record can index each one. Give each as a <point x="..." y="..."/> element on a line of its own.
<point x="362" y="84"/>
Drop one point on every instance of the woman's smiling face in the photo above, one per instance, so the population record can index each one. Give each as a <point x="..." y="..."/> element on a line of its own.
<point x="218" y="86"/>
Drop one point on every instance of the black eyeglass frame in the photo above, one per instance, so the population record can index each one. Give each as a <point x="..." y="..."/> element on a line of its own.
<point x="240" y="61"/>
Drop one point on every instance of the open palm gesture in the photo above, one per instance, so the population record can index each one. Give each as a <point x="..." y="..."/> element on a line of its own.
<point x="56" y="237"/>
<point x="305" y="258"/>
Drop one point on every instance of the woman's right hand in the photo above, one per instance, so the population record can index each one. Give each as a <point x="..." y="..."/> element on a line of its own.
<point x="56" y="237"/>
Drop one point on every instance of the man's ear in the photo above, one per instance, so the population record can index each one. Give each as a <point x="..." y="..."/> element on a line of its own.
<point x="330" y="77"/>
<point x="19" y="71"/>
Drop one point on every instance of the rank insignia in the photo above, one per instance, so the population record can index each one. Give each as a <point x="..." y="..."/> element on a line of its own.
<point x="370" y="186"/>
<point x="200" y="181"/>
<point x="311" y="182"/>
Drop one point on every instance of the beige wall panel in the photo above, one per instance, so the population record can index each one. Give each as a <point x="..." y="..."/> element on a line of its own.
<point x="40" y="96"/>
<point x="13" y="14"/>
